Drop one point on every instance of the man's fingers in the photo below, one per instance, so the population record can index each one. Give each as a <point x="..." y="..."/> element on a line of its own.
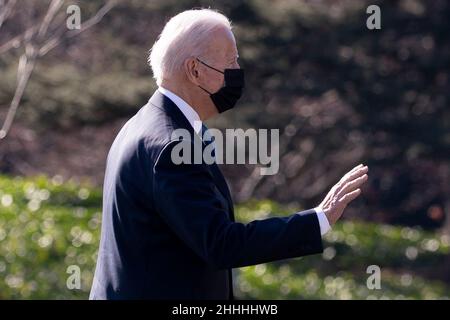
<point x="352" y="185"/>
<point x="357" y="173"/>
<point x="350" y="196"/>
<point x="344" y="190"/>
<point x="352" y="175"/>
<point x="359" y="166"/>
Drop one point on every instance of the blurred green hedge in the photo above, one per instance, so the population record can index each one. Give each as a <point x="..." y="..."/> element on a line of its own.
<point x="46" y="225"/>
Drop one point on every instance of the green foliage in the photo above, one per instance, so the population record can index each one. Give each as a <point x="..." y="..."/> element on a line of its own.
<point x="406" y="256"/>
<point x="47" y="225"/>
<point x="56" y="100"/>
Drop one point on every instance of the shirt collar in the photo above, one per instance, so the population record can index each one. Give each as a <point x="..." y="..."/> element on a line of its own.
<point x="185" y="108"/>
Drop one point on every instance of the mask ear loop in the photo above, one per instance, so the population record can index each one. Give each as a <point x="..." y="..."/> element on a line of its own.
<point x="204" y="90"/>
<point x="211" y="68"/>
<point x="204" y="63"/>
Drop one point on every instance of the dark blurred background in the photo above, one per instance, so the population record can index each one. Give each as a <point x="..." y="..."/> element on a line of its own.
<point x="339" y="93"/>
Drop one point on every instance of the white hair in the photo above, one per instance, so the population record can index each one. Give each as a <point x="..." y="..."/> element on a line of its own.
<point x="185" y="35"/>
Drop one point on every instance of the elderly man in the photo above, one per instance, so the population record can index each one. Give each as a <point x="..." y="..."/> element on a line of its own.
<point x="168" y="230"/>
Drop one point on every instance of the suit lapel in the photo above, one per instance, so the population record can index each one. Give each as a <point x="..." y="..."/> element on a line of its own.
<point x="161" y="101"/>
<point x="223" y="186"/>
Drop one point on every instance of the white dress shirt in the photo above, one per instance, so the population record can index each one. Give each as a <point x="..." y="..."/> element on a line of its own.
<point x="323" y="221"/>
<point x="185" y="108"/>
<point x="194" y="119"/>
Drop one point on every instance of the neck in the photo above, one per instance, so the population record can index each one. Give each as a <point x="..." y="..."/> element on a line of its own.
<point x="190" y="96"/>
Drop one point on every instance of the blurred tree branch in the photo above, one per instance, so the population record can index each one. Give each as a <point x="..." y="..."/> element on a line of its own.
<point x="37" y="42"/>
<point x="6" y="8"/>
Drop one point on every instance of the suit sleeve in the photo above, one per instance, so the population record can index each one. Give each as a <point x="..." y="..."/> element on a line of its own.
<point x="187" y="199"/>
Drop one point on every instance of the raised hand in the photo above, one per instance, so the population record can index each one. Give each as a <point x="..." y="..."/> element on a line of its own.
<point x="342" y="193"/>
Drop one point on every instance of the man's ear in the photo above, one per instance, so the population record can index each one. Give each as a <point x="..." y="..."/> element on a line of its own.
<point x="191" y="70"/>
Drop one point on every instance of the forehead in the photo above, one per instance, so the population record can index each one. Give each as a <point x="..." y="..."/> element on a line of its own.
<point x="222" y="44"/>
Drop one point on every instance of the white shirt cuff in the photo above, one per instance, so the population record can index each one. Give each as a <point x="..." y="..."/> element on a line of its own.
<point x="323" y="221"/>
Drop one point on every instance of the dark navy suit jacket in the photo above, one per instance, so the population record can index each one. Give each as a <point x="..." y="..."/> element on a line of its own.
<point x="168" y="230"/>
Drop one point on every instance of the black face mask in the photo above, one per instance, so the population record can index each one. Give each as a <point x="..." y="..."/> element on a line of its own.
<point x="229" y="94"/>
